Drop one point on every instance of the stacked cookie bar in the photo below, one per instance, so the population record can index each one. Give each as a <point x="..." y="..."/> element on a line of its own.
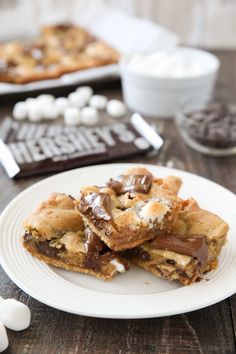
<point x="134" y="218"/>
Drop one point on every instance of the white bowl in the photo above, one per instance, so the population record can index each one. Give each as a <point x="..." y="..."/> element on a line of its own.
<point x="163" y="97"/>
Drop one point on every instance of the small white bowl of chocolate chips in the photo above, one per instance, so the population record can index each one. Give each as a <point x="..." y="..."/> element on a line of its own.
<point x="211" y="131"/>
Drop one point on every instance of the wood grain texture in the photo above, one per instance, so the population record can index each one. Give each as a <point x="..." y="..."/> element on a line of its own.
<point x="210" y="330"/>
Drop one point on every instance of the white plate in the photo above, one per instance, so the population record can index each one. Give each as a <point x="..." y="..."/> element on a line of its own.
<point x="74" y="78"/>
<point x="135" y="294"/>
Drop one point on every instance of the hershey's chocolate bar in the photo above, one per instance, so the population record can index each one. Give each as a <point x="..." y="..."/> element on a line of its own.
<point x="28" y="149"/>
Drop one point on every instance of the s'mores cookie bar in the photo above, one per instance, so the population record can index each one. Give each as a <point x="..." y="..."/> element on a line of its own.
<point x="55" y="234"/>
<point x="60" y="49"/>
<point x="189" y="251"/>
<point x="130" y="208"/>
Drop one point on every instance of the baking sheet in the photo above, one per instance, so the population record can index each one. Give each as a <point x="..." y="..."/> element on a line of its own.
<point x="79" y="77"/>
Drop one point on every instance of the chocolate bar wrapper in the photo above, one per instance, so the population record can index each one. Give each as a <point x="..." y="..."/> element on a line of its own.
<point x="28" y="149"/>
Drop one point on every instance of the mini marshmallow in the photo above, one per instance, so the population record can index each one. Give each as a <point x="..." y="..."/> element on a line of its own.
<point x="89" y="116"/>
<point x="3" y="338"/>
<point x="119" y="266"/>
<point x="116" y="108"/>
<point x="20" y="111"/>
<point x="61" y="103"/>
<point x="34" y="111"/>
<point x="77" y="100"/>
<point x="72" y="116"/>
<point x="98" y="101"/>
<point x="153" y="211"/>
<point x="49" y="111"/>
<point x="85" y="91"/>
<point x="141" y="143"/>
<point x="14" y="314"/>
<point x="45" y="99"/>
<point x="30" y="101"/>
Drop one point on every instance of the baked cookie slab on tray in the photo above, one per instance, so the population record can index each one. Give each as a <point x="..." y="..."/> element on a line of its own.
<point x="130" y="208"/>
<point x="190" y="250"/>
<point x="55" y="234"/>
<point x="58" y="50"/>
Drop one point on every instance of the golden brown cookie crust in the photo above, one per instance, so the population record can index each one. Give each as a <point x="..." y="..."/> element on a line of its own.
<point x="61" y="264"/>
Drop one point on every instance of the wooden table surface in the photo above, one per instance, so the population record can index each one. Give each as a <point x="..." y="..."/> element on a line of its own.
<point x="210" y="330"/>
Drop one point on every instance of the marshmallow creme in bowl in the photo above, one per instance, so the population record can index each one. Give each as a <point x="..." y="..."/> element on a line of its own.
<point x="164" y="83"/>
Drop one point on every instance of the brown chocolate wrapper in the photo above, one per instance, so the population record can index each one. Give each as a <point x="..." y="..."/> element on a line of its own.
<point x="28" y="149"/>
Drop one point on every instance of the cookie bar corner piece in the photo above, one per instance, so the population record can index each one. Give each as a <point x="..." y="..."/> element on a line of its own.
<point x="55" y="234"/>
<point x="191" y="249"/>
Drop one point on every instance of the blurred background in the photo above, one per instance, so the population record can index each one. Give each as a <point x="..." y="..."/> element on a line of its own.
<point x="199" y="23"/>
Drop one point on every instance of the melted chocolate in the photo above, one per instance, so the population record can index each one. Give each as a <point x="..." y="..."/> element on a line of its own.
<point x="137" y="252"/>
<point x="131" y="183"/>
<point x="93" y="262"/>
<point x="99" y="203"/>
<point x="45" y="248"/>
<point x="63" y="27"/>
<point x="194" y="246"/>
<point x="97" y="252"/>
<point x="93" y="243"/>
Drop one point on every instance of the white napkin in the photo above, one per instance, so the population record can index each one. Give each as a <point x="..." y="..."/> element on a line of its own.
<point x="128" y="34"/>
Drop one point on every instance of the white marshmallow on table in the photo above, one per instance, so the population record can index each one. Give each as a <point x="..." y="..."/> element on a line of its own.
<point x="77" y="100"/>
<point x="3" y="338"/>
<point x="98" y="101"/>
<point x="30" y="101"/>
<point x="34" y="110"/>
<point x="85" y="91"/>
<point x="20" y="111"/>
<point x="89" y="116"/>
<point x="61" y="103"/>
<point x="14" y="314"/>
<point x="72" y="116"/>
<point x="116" y="108"/>
<point x="46" y="98"/>
<point x="141" y="143"/>
<point x="49" y="111"/>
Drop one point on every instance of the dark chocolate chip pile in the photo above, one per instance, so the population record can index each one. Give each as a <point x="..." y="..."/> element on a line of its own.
<point x="214" y="126"/>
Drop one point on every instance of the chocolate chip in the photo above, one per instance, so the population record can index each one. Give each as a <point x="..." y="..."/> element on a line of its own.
<point x="170" y="261"/>
<point x="45" y="248"/>
<point x="213" y="126"/>
<point x="137" y="252"/>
